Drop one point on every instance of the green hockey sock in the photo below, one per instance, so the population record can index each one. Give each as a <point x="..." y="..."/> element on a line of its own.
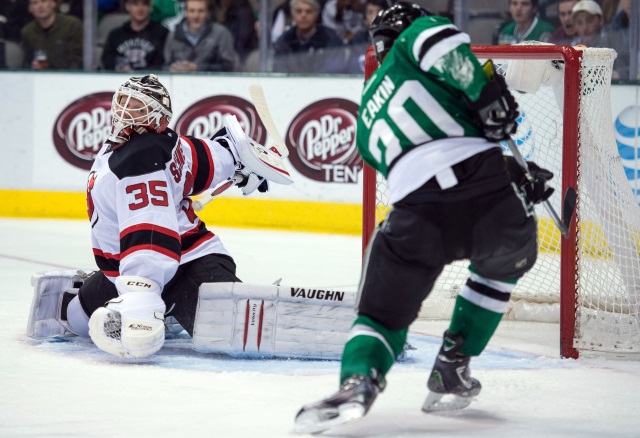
<point x="479" y="308"/>
<point x="475" y="324"/>
<point x="371" y="345"/>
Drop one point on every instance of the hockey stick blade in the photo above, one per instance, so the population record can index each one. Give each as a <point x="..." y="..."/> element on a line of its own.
<point x="569" y="201"/>
<point x="569" y="206"/>
<point x="260" y="102"/>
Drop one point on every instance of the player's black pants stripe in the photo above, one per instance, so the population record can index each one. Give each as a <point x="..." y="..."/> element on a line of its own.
<point x="487" y="291"/>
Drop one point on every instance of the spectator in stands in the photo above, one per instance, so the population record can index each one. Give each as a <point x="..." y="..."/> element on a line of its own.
<point x="199" y="44"/>
<point x="17" y="16"/>
<point x="526" y="26"/>
<point x="239" y="18"/>
<point x="609" y="9"/>
<point x="621" y="20"/>
<point x="138" y="44"/>
<point x="14" y="15"/>
<point x="616" y="36"/>
<point x="589" y="23"/>
<point x="565" y="33"/>
<point x="362" y="40"/>
<point x="345" y="17"/>
<point x="52" y="40"/>
<point x="167" y="12"/>
<point x="76" y="7"/>
<point x="163" y="9"/>
<point x="309" y="47"/>
<point x="587" y="19"/>
<point x="281" y="20"/>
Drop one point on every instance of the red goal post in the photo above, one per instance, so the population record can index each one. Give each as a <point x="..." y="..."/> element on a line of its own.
<point x="570" y="269"/>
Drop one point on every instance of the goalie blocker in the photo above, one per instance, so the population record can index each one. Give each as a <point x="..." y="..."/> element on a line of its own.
<point x="238" y="319"/>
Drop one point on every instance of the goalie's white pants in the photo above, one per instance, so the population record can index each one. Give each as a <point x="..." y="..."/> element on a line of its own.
<point x="247" y="320"/>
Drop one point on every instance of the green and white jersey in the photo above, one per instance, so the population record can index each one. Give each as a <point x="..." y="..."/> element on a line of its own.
<point x="413" y="122"/>
<point x="539" y="30"/>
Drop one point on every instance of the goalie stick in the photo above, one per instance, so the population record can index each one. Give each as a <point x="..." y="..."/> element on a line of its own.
<point x="570" y="197"/>
<point x="260" y="102"/>
<point x="199" y="204"/>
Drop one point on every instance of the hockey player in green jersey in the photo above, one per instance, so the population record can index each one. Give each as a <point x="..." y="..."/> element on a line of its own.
<point x="430" y="121"/>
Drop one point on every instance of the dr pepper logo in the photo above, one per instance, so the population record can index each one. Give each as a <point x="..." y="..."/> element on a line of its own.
<point x="82" y="128"/>
<point x="205" y="117"/>
<point x="322" y="141"/>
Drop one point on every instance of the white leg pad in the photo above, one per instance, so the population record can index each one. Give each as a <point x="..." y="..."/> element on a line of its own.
<point x="48" y="288"/>
<point x="247" y="320"/>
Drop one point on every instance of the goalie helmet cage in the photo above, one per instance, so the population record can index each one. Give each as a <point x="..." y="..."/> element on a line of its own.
<point x="590" y="281"/>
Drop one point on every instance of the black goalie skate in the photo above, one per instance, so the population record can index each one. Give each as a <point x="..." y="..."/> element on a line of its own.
<point x="450" y="385"/>
<point x="353" y="400"/>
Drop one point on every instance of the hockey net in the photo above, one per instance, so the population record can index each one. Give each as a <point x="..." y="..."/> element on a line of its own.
<point x="589" y="282"/>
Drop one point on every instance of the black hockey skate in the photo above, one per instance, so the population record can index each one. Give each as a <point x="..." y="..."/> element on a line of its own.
<point x="356" y="395"/>
<point x="450" y="385"/>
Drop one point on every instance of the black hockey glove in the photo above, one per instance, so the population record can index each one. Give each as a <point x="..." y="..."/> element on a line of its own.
<point x="496" y="111"/>
<point x="537" y="189"/>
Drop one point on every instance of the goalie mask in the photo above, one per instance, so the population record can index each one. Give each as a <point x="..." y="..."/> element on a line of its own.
<point x="140" y="105"/>
<point x="390" y="23"/>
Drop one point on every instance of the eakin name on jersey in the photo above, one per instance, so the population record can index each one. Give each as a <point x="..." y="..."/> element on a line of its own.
<point x="412" y="109"/>
<point x="142" y="222"/>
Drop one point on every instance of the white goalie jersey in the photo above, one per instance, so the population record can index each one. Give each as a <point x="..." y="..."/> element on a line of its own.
<point x="142" y="221"/>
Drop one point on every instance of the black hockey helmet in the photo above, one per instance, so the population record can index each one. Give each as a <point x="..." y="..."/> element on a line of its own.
<point x="389" y="24"/>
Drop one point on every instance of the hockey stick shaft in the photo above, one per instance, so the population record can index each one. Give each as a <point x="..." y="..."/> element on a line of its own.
<point x="260" y="102"/>
<point x="200" y="203"/>
<point x="569" y="202"/>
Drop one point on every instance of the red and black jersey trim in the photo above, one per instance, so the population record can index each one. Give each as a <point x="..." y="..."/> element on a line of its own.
<point x="203" y="167"/>
<point x="149" y="237"/>
<point x="109" y="264"/>
<point x="195" y="237"/>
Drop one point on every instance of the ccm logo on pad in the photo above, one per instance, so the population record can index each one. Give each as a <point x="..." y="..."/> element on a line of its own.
<point x="138" y="283"/>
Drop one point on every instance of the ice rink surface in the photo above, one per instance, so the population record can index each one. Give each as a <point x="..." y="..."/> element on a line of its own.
<point x="73" y="389"/>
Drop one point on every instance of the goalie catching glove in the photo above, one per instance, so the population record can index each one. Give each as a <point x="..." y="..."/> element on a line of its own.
<point x="535" y="189"/>
<point x="132" y="325"/>
<point x="255" y="164"/>
<point x="496" y="111"/>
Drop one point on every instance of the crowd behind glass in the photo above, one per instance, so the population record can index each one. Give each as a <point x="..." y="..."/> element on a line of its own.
<point x="305" y="36"/>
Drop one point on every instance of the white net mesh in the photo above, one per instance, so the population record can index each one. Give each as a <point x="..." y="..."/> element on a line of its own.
<point x="607" y="262"/>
